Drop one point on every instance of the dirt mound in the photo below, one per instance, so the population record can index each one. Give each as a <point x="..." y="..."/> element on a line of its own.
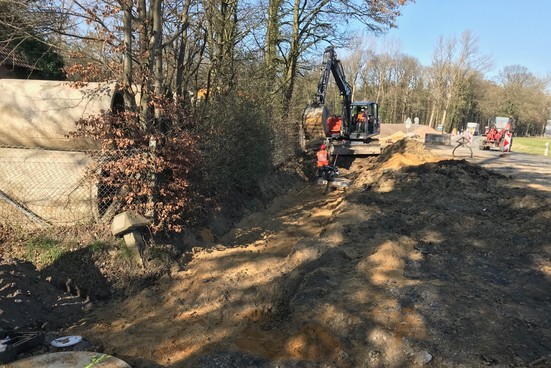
<point x="394" y="137"/>
<point x="409" y="147"/>
<point x="405" y="152"/>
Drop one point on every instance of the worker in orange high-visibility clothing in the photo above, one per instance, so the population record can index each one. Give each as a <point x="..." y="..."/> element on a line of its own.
<point x="361" y="122"/>
<point x="333" y="123"/>
<point x="323" y="159"/>
<point x="338" y="125"/>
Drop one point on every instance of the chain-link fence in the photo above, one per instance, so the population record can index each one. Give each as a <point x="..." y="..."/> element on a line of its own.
<point x="50" y="187"/>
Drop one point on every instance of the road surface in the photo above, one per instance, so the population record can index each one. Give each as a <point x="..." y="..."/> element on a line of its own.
<point x="533" y="170"/>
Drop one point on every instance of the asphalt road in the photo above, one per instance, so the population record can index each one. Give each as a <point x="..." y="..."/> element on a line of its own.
<point x="534" y="171"/>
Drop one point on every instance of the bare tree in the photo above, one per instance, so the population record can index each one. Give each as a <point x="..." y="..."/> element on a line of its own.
<point x="524" y="96"/>
<point x="454" y="63"/>
<point x="221" y="20"/>
<point x="407" y="71"/>
<point x="273" y="37"/>
<point x="304" y="24"/>
<point x="356" y="62"/>
<point x="24" y="31"/>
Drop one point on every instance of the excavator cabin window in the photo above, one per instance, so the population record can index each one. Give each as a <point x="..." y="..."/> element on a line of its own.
<point x="356" y="109"/>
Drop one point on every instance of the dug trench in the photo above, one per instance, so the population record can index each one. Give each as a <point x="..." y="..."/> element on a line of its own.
<point x="420" y="261"/>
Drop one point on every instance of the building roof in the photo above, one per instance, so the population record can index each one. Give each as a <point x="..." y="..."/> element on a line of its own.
<point x="9" y="56"/>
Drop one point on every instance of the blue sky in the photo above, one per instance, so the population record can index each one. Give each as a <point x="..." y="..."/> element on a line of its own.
<point x="510" y="32"/>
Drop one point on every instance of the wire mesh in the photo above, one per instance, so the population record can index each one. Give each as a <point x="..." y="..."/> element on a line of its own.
<point x="41" y="187"/>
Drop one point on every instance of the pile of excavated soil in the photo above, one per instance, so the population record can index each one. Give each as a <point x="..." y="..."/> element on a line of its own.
<point x="405" y="152"/>
<point x="422" y="261"/>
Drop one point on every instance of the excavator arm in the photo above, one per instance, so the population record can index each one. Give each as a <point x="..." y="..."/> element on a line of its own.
<point x="332" y="65"/>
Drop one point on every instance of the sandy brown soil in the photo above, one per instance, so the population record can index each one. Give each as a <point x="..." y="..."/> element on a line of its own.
<point x="421" y="261"/>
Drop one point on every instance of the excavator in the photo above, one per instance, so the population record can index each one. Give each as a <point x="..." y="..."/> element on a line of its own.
<point x="353" y="131"/>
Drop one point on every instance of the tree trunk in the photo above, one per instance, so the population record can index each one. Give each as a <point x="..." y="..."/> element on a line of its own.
<point x="129" y="101"/>
<point x="272" y="38"/>
<point x="292" y="63"/>
<point x="157" y="50"/>
<point x="432" y="118"/>
<point x="222" y="36"/>
<point x="146" y="64"/>
<point x="447" y="104"/>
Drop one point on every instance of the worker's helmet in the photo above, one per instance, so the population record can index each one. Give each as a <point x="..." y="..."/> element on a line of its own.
<point x="323" y="146"/>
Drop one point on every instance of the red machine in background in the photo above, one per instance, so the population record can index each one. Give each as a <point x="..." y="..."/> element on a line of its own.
<point x="499" y="135"/>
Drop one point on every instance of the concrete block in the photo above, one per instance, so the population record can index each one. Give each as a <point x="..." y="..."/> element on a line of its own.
<point x="442" y="139"/>
<point x="126" y="222"/>
<point x="135" y="243"/>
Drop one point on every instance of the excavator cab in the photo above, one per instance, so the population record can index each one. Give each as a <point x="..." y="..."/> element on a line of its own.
<point x="364" y="121"/>
<point x="360" y="138"/>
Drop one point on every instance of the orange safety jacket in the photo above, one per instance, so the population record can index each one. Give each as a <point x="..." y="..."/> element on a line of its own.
<point x="334" y="124"/>
<point x="338" y="125"/>
<point x="323" y="159"/>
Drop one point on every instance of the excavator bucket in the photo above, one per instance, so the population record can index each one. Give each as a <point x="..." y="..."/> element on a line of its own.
<point x="313" y="121"/>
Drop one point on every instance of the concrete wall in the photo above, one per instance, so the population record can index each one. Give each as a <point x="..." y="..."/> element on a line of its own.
<point x="37" y="113"/>
<point x="44" y="180"/>
<point x="44" y="186"/>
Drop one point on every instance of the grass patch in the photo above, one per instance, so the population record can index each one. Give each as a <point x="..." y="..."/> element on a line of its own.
<point x="43" y="251"/>
<point x="125" y="254"/>
<point x="98" y="246"/>
<point x="531" y="145"/>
